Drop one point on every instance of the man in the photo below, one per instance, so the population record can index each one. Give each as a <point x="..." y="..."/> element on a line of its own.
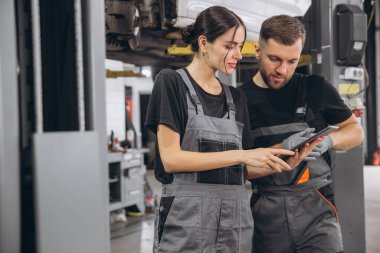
<point x="294" y="211"/>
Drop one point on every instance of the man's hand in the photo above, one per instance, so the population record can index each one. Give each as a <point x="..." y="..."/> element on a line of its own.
<point x="295" y="139"/>
<point x="324" y="146"/>
<point x="304" y="153"/>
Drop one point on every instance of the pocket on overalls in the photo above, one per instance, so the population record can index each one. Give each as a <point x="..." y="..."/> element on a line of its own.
<point x="328" y="203"/>
<point x="216" y="142"/>
<point x="181" y="231"/>
<point x="233" y="173"/>
<point x="254" y="201"/>
<point x="228" y="236"/>
<point x="163" y="211"/>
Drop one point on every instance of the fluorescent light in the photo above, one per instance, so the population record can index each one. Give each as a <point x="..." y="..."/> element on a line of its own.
<point x="146" y="71"/>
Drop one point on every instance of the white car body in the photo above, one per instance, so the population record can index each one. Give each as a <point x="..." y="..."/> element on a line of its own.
<point x="252" y="12"/>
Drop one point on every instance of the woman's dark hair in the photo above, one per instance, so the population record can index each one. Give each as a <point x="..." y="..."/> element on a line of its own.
<point x="211" y="22"/>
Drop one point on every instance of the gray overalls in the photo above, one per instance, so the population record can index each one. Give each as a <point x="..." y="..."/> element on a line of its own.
<point x="206" y="211"/>
<point x="289" y="211"/>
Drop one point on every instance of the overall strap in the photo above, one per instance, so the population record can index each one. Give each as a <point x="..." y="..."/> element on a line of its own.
<point x="194" y="105"/>
<point x="230" y="102"/>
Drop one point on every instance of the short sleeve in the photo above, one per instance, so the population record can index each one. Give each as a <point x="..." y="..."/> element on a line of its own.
<point x="166" y="104"/>
<point x="242" y="116"/>
<point x="333" y="107"/>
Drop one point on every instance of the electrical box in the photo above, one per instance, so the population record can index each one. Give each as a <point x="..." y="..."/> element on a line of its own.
<point x="351" y="34"/>
<point x="353" y="73"/>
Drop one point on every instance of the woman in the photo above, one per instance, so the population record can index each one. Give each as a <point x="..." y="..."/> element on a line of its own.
<point x="200" y="124"/>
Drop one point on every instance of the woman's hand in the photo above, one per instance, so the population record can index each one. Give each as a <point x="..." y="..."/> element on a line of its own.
<point x="265" y="161"/>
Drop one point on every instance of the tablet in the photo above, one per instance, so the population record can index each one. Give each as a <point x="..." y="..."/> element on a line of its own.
<point x="324" y="132"/>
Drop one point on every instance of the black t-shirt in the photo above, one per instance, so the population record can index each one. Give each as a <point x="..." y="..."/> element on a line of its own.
<point x="168" y="106"/>
<point x="269" y="107"/>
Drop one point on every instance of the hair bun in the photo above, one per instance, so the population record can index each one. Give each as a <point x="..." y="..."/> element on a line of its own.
<point x="187" y="34"/>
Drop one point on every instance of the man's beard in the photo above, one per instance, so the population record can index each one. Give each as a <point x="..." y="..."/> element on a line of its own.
<point x="266" y="79"/>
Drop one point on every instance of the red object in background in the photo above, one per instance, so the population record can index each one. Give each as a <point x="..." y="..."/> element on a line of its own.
<point x="376" y="157"/>
<point x="358" y="112"/>
<point x="128" y="106"/>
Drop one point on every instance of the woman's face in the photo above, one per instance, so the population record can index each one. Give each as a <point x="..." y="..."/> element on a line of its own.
<point x="223" y="53"/>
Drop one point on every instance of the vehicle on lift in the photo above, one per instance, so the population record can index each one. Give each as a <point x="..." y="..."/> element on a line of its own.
<point x="138" y="30"/>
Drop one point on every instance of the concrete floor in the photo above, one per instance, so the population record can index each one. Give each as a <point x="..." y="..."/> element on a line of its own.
<point x="136" y="236"/>
<point x="372" y="208"/>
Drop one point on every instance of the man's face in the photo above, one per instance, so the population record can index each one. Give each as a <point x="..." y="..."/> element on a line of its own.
<point x="277" y="62"/>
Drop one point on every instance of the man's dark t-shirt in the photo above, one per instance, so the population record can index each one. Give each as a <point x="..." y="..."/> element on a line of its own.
<point x="168" y="106"/>
<point x="269" y="107"/>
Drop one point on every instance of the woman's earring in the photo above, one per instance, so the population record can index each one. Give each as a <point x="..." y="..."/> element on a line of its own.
<point x="205" y="54"/>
